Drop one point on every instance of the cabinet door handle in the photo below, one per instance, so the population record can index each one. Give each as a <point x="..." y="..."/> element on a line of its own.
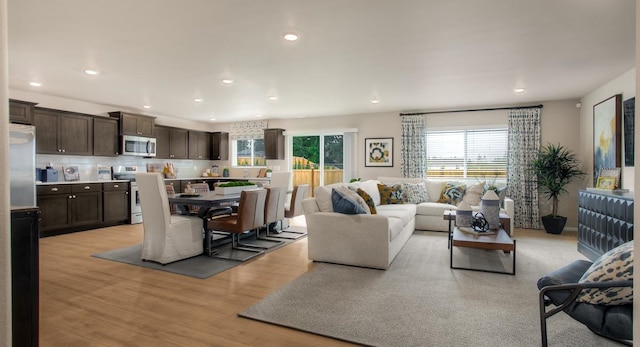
<point x="87" y="188"/>
<point x="70" y="196"/>
<point x="54" y="189"/>
<point x="64" y="150"/>
<point x="126" y="193"/>
<point x="116" y="186"/>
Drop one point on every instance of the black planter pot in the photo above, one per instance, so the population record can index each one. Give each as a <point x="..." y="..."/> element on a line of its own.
<point x="554" y="225"/>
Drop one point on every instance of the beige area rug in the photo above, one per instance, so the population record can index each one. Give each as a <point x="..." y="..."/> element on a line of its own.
<point x="419" y="301"/>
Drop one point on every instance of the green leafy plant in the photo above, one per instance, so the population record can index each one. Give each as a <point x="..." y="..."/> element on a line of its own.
<point x="354" y="180"/>
<point x="555" y="168"/>
<point x="236" y="184"/>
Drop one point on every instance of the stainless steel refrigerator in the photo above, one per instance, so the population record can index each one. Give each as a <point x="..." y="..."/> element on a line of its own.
<point x="22" y="158"/>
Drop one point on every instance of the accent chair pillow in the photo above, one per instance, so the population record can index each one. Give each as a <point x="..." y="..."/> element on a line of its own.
<point x="452" y="193"/>
<point x="473" y="194"/>
<point x="615" y="265"/>
<point x="342" y="203"/>
<point x="391" y="195"/>
<point x="367" y="198"/>
<point x="415" y="192"/>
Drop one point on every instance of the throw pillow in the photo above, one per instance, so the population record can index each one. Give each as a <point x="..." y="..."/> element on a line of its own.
<point x="345" y="204"/>
<point x="371" y="187"/>
<point x="473" y="194"/>
<point x="350" y="192"/>
<point x="367" y="198"/>
<point x="615" y="265"/>
<point x="452" y="193"/>
<point x="415" y="192"/>
<point x="391" y="195"/>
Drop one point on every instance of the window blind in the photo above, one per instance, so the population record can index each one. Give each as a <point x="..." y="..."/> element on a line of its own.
<point x="476" y="153"/>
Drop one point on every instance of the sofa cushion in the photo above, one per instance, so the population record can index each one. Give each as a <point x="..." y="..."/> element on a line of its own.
<point x="452" y="193"/>
<point x="391" y="194"/>
<point x="615" y="265"/>
<point x="353" y="195"/>
<point x="405" y="215"/>
<point x="395" y="227"/>
<point x="323" y="196"/>
<point x="367" y="198"/>
<point x="415" y="193"/>
<point x="433" y="209"/>
<point x="473" y="194"/>
<point x="434" y="189"/>
<point x="343" y="203"/>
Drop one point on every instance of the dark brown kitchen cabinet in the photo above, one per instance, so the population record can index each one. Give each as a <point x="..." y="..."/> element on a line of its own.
<point x="60" y="132"/>
<point x="105" y="136"/>
<point x="171" y="143"/>
<point x="220" y="146"/>
<point x="69" y="207"/>
<point x="199" y="145"/>
<point x="21" y="111"/>
<point x="116" y="202"/>
<point x="135" y="124"/>
<point x="274" y="143"/>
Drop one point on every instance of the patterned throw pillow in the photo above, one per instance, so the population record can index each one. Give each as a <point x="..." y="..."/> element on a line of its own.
<point x="452" y="193"/>
<point x="367" y="198"/>
<point x="473" y="194"/>
<point x="391" y="195"/>
<point x="415" y="192"/>
<point x="615" y="265"/>
<point x="342" y="203"/>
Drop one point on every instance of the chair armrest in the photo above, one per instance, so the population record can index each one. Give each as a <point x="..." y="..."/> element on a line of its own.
<point x="574" y="290"/>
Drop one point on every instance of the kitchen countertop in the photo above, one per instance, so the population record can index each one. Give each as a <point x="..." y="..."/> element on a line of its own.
<point x="38" y="183"/>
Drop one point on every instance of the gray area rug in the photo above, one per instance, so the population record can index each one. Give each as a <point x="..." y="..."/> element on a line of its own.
<point x="199" y="267"/>
<point x="419" y="301"/>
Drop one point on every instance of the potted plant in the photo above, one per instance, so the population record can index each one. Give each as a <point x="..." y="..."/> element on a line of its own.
<point x="268" y="172"/>
<point x="555" y="168"/>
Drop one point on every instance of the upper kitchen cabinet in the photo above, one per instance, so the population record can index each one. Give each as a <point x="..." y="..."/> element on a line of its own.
<point x="274" y="143"/>
<point x="199" y="145"/>
<point x="60" y="132"/>
<point x="220" y="146"/>
<point x="171" y="143"/>
<point x="21" y="111"/>
<point x="135" y="124"/>
<point x="105" y="136"/>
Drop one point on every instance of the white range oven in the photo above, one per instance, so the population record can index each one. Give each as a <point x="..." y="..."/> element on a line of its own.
<point x="128" y="173"/>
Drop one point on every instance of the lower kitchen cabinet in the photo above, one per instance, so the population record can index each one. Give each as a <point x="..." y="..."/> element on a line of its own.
<point x="68" y="208"/>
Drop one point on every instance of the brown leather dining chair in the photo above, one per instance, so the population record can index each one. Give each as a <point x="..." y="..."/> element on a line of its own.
<point x="250" y="216"/>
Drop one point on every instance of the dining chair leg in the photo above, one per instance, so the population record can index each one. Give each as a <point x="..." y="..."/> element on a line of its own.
<point x="262" y="242"/>
<point x="237" y="252"/>
<point x="289" y="233"/>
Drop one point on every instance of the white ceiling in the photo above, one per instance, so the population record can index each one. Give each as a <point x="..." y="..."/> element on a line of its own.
<point x="413" y="55"/>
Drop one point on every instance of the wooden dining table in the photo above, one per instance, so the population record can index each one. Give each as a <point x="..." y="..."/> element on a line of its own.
<point x="205" y="200"/>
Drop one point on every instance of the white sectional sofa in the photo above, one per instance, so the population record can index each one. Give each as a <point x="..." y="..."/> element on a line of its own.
<point x="372" y="240"/>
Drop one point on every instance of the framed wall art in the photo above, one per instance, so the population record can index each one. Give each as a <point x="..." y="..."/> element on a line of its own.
<point x="606" y="182"/>
<point x="378" y="152"/>
<point x="607" y="134"/>
<point x="629" y="131"/>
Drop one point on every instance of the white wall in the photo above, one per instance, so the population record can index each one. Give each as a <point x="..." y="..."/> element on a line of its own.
<point x="625" y="85"/>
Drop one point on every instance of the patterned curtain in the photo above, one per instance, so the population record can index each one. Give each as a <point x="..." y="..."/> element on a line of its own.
<point x="524" y="144"/>
<point x="413" y="152"/>
<point x="248" y="130"/>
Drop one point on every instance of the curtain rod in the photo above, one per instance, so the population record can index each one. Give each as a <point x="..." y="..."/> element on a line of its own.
<point x="471" y="110"/>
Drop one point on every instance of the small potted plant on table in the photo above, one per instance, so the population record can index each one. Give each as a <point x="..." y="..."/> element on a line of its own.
<point x="555" y="168"/>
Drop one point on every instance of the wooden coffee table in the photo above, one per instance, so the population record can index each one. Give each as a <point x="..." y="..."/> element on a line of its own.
<point x="499" y="241"/>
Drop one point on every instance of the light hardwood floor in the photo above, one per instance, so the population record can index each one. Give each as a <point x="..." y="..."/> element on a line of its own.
<point x="86" y="301"/>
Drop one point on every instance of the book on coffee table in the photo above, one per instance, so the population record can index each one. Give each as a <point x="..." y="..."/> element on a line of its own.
<point x="471" y="231"/>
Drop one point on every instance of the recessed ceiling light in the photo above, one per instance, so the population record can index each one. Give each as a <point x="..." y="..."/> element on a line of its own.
<point x="519" y="90"/>
<point x="227" y="81"/>
<point x="273" y="98"/>
<point x="35" y="84"/>
<point x="375" y="101"/>
<point x="212" y="119"/>
<point x="91" y="72"/>
<point x="258" y="115"/>
<point x="146" y="106"/>
<point x="198" y="100"/>
<point x="290" y="36"/>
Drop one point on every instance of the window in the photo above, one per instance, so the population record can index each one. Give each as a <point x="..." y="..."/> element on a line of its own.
<point x="246" y="153"/>
<point x="477" y="153"/>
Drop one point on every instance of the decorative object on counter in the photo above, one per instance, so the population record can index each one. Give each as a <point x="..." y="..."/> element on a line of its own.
<point x="49" y="174"/>
<point x="480" y="223"/>
<point x="464" y="215"/>
<point x="234" y="187"/>
<point x="262" y="173"/>
<point x="157" y="167"/>
<point x="610" y="172"/>
<point x="104" y="173"/>
<point x="214" y="171"/>
<point x="71" y="173"/>
<point x="169" y="171"/>
<point x="606" y="182"/>
<point x="490" y="208"/>
<point x="268" y="172"/>
<point x="225" y="172"/>
<point x="555" y="168"/>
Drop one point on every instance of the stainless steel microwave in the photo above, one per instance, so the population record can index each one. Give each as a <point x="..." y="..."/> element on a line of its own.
<point x="139" y="146"/>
